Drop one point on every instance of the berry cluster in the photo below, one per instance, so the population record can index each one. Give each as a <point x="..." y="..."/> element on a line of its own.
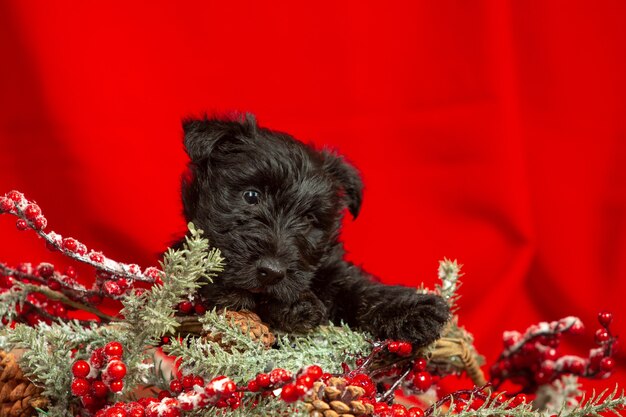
<point x="533" y="358"/>
<point x="103" y="373"/>
<point x="192" y="306"/>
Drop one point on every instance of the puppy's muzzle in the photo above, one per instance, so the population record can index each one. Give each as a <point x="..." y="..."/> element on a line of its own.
<point x="270" y="271"/>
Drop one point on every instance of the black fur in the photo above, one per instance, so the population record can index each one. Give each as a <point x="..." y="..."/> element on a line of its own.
<point x="291" y="235"/>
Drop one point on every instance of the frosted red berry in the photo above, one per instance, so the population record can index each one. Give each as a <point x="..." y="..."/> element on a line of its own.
<point x="21" y="224"/>
<point x="115" y="411"/>
<point x="45" y="270"/>
<point x="279" y="375"/>
<point x="114" y="349"/>
<point x="6" y="204"/>
<point x="32" y="211"/>
<point x="112" y="288"/>
<point x="116" y="370"/>
<point x="40" y="222"/>
<point x="81" y="368"/>
<point x="70" y="244"/>
<point x="80" y="386"/>
<point x="15" y="196"/>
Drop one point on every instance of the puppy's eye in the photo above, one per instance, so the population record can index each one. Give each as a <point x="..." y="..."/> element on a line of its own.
<point x="252" y="196"/>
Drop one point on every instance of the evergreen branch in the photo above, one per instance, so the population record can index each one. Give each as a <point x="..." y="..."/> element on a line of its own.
<point x="327" y="347"/>
<point x="449" y="273"/>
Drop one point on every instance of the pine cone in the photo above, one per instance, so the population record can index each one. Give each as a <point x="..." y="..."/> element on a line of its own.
<point x="336" y="398"/>
<point x="250" y="324"/>
<point x="18" y="396"/>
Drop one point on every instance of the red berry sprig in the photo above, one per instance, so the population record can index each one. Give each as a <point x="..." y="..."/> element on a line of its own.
<point x="102" y="374"/>
<point x="534" y="359"/>
<point x="30" y="217"/>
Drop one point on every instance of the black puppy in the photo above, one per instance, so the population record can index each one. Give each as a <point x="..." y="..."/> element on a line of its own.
<point x="274" y="206"/>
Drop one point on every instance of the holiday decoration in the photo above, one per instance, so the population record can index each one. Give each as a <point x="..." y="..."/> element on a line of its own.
<point x="163" y="355"/>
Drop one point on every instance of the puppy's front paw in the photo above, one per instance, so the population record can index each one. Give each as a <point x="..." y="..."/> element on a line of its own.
<point x="303" y="315"/>
<point x="417" y="318"/>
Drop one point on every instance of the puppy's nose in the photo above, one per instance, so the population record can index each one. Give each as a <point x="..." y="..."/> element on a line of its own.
<point x="270" y="271"/>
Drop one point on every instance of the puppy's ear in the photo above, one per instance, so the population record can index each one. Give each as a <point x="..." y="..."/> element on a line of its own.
<point x="202" y="136"/>
<point x="348" y="178"/>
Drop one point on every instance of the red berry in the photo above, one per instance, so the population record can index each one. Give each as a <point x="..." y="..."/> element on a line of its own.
<point x="21" y="224"/>
<point x="32" y="211"/>
<point x="176" y="386"/>
<point x="6" y="204"/>
<point x="314" y="371"/>
<point x="96" y="257"/>
<point x="577" y="328"/>
<point x="187" y="381"/>
<point x="45" y="270"/>
<point x="404" y="349"/>
<point x="40" y="222"/>
<point x="114" y="349"/>
<point x="164" y="394"/>
<point x="116" y="370"/>
<point x="111" y="288"/>
<point x="15" y="196"/>
<point x="198" y="380"/>
<point x="115" y="411"/>
<point x="80" y="386"/>
<point x="520" y="399"/>
<point x="135" y="409"/>
<point x="289" y="394"/>
<point x="416" y="412"/>
<point x="54" y="285"/>
<point x="253" y="385"/>
<point x="602" y="336"/>
<point x="380" y="408"/>
<point x="70" y="271"/>
<point x="398" y="410"/>
<point x="422" y="381"/>
<point x="305" y="380"/>
<point x="263" y="380"/>
<point x="393" y="347"/>
<point x="199" y="309"/>
<point x="607" y="364"/>
<point x="576" y="367"/>
<point x="70" y="244"/>
<point x="99" y="389"/>
<point x="185" y="307"/>
<point x="279" y="375"/>
<point x="605" y="318"/>
<point x="116" y="386"/>
<point x="81" y="369"/>
<point x="420" y="365"/>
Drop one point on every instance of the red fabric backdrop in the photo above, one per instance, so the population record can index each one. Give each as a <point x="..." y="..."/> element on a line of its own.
<point x="492" y="132"/>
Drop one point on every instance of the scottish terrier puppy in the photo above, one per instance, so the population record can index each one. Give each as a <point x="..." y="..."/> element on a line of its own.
<point x="273" y="206"/>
